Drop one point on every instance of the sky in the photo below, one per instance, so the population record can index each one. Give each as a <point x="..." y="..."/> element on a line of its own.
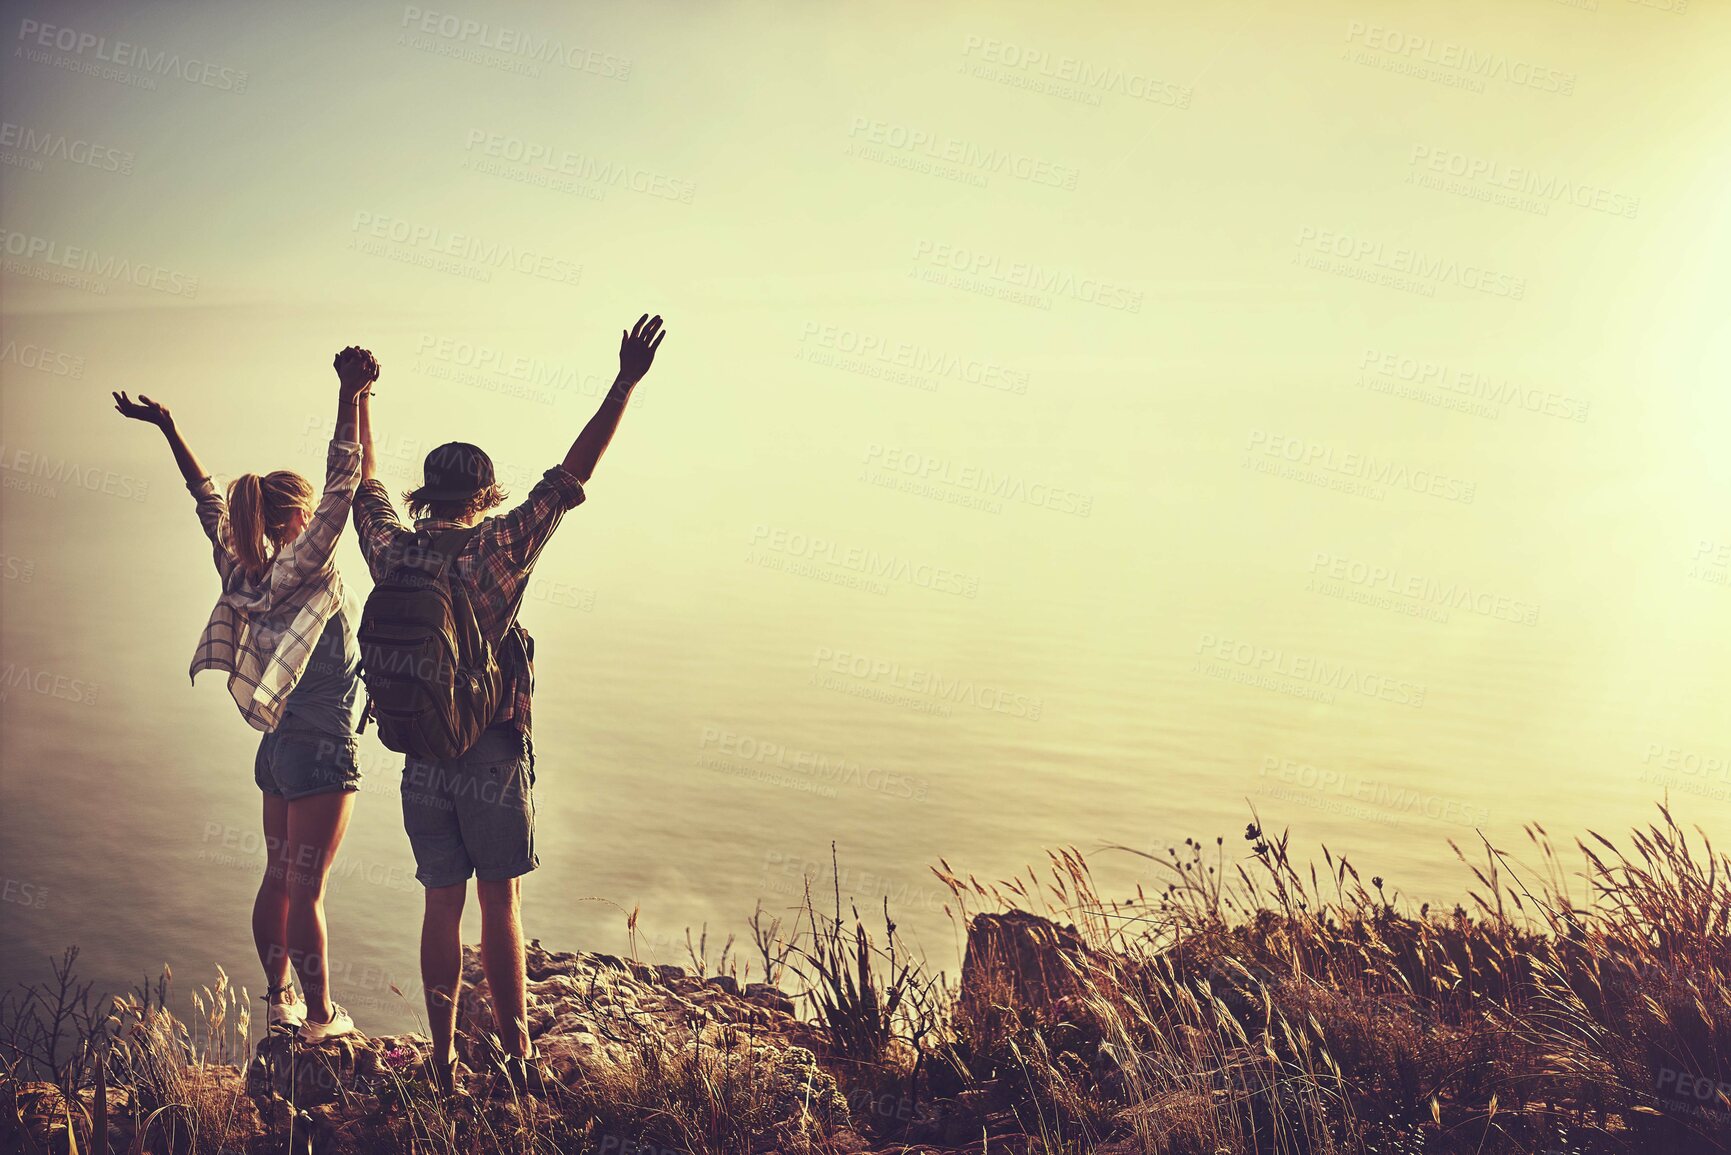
<point x="1106" y="336"/>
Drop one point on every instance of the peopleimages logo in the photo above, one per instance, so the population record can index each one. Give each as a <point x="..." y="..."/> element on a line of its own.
<point x="121" y="54"/>
<point x="866" y="562"/>
<point x="76" y="259"/>
<point x="922" y="144"/>
<point x="1026" y="275"/>
<point x="881" y="673"/>
<point x="927" y="474"/>
<point x="479" y="252"/>
<point x="1470" y="384"/>
<point x="47" y="683"/>
<point x="868" y="347"/>
<point x="826" y="770"/>
<point x="42" y="145"/>
<point x="1388" y="796"/>
<point x="1691" y="1093"/>
<point x="38" y="473"/>
<point x="27" y="355"/>
<point x="1495" y="174"/>
<point x="514" y="42"/>
<point x="1469" y="62"/>
<point x="1216" y="653"/>
<point x="530" y="370"/>
<point x="1411" y="262"/>
<point x="1330" y="571"/>
<point x="1362" y="468"/>
<point x="562" y="162"/>
<point x="24" y="893"/>
<point x="1005" y="59"/>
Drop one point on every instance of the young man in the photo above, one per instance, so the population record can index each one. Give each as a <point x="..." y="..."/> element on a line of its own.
<point x="474" y="815"/>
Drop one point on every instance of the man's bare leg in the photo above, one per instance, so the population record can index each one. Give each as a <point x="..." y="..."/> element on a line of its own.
<point x="502" y="958"/>
<point x="442" y="965"/>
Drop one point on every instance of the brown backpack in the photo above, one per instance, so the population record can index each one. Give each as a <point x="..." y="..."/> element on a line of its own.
<point x="433" y="678"/>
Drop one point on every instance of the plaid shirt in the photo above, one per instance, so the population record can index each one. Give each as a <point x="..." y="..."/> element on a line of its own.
<point x="262" y="633"/>
<point x="493" y="566"/>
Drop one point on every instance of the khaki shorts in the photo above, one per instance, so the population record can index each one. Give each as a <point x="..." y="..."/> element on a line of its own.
<point x="473" y="815"/>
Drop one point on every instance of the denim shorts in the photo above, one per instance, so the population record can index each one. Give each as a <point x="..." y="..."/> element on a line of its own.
<point x="297" y="760"/>
<point x="473" y="815"/>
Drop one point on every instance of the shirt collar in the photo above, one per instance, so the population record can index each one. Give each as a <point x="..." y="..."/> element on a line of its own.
<point x="434" y="524"/>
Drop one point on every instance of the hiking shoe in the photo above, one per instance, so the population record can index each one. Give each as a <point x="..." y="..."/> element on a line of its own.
<point x="285" y="1013"/>
<point x="523" y="1076"/>
<point x="446" y="1078"/>
<point x="339" y="1024"/>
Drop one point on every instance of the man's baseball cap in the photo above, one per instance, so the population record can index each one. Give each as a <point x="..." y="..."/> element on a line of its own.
<point x="454" y="471"/>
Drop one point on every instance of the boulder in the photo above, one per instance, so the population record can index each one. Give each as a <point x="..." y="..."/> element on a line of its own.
<point x="591" y="1015"/>
<point x="1021" y="960"/>
<point x="33" y="1116"/>
<point x="308" y="1076"/>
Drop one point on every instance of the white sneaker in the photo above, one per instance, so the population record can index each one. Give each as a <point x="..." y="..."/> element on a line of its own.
<point x="340" y="1024"/>
<point x="287" y="1013"/>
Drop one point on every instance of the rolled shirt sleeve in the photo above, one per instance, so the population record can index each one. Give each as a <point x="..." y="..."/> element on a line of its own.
<point x="376" y="524"/>
<point x="213" y="516"/>
<point x="312" y="550"/>
<point x="519" y="535"/>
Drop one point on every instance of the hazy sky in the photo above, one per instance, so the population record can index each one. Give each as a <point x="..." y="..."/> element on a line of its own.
<point x="1210" y="300"/>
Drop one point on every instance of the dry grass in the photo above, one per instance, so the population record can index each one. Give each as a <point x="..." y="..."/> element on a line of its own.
<point x="1247" y="1004"/>
<point x="1252" y="1005"/>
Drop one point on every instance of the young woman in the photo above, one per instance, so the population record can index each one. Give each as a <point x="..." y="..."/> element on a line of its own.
<point x="282" y="633"/>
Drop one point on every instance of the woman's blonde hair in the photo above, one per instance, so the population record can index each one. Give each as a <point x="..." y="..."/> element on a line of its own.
<point x="260" y="511"/>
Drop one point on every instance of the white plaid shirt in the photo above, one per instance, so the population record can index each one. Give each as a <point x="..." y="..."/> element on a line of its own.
<point x="262" y="633"/>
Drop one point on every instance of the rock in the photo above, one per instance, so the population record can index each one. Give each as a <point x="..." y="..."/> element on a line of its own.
<point x="768" y="997"/>
<point x="594" y="1017"/>
<point x="1243" y="991"/>
<point x="334" y="1071"/>
<point x="1021" y="960"/>
<point x="229" y="1118"/>
<point x="31" y="1113"/>
<point x="621" y="1038"/>
<point x="542" y="962"/>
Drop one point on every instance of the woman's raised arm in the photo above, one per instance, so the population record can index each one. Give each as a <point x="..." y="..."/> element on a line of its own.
<point x="311" y="551"/>
<point x="154" y="413"/>
<point x="211" y="507"/>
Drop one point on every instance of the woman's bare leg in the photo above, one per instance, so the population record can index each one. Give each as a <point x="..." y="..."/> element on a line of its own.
<point x="315" y="830"/>
<point x="270" y="908"/>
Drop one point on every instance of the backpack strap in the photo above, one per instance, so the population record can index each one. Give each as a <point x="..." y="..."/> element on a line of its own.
<point x="446" y="544"/>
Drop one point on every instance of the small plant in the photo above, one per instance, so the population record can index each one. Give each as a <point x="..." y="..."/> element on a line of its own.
<point x="54" y="1030"/>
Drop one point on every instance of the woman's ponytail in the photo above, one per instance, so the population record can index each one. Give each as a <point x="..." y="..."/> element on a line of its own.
<point x="246" y="523"/>
<point x="261" y="511"/>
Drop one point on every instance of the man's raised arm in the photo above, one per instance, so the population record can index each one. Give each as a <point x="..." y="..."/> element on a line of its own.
<point x="636" y="353"/>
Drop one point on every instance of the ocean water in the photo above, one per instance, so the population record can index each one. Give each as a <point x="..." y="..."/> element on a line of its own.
<point x="1030" y="464"/>
<point x="714" y="714"/>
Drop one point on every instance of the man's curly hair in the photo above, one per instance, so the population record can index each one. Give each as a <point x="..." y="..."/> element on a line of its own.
<point x="480" y="502"/>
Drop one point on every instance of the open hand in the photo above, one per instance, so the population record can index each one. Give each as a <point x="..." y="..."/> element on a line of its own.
<point x="637" y="348"/>
<point x="356" y="369"/>
<point x="144" y="409"/>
